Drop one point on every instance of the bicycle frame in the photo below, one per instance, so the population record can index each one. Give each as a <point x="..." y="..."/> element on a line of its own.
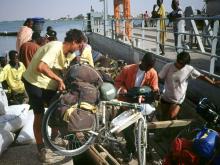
<point x="134" y="108"/>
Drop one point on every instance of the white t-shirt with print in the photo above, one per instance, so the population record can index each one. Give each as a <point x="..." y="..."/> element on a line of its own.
<point x="176" y="81"/>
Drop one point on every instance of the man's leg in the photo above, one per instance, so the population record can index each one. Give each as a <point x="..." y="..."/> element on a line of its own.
<point x="174" y="111"/>
<point x="37" y="130"/>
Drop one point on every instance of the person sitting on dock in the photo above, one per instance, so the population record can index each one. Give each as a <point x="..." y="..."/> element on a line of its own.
<point x="12" y="74"/>
<point x="43" y="78"/>
<point x="136" y="75"/>
<point x="28" y="49"/>
<point x="176" y="76"/>
<point x="3" y="62"/>
<point x="24" y="34"/>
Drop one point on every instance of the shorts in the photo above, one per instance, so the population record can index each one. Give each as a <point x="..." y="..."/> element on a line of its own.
<point x="38" y="97"/>
<point x="165" y="109"/>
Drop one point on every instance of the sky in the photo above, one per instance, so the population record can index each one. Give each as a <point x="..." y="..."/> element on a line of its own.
<point x="11" y="10"/>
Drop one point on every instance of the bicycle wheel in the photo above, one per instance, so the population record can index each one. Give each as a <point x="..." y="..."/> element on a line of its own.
<point x="66" y="143"/>
<point x="141" y="142"/>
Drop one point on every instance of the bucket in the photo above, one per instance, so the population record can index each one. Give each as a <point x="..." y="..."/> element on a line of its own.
<point x="38" y="24"/>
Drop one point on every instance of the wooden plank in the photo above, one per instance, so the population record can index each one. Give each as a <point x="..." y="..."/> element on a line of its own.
<point x="96" y="156"/>
<point x="108" y="157"/>
<point x="169" y="123"/>
<point x="101" y="156"/>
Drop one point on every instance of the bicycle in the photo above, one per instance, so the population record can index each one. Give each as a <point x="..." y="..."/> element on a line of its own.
<point x="102" y="131"/>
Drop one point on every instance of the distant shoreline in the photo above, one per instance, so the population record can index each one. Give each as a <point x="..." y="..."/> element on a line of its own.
<point x="8" y="33"/>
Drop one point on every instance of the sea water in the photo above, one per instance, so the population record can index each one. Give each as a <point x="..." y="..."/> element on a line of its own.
<point x="8" y="43"/>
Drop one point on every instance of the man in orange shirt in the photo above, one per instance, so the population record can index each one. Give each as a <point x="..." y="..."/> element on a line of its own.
<point x="136" y="75"/>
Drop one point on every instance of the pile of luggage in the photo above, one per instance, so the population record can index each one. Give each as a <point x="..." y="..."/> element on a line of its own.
<point x="204" y="148"/>
<point x="77" y="107"/>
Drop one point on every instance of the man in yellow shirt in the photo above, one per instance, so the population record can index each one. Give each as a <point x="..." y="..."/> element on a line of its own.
<point x="84" y="55"/>
<point x="12" y="74"/>
<point x="161" y="12"/>
<point x="43" y="78"/>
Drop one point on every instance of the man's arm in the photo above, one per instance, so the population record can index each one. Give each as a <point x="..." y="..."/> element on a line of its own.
<point x="43" y="68"/>
<point x="207" y="79"/>
<point x="119" y="82"/>
<point x="211" y="81"/>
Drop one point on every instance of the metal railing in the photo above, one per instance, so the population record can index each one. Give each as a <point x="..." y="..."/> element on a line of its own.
<point x="206" y="37"/>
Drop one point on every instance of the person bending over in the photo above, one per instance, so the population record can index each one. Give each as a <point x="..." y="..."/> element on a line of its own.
<point x="176" y="76"/>
<point x="136" y="75"/>
<point x="42" y="79"/>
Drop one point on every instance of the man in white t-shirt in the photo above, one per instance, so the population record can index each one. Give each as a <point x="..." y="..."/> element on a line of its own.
<point x="176" y="76"/>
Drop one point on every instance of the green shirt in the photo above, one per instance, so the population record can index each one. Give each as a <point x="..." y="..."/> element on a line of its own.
<point x="52" y="55"/>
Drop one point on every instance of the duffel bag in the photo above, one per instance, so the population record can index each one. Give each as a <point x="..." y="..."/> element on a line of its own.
<point x="180" y="144"/>
<point x="205" y="143"/>
<point x="86" y="92"/>
<point x="83" y="72"/>
<point x="81" y="120"/>
<point x="69" y="98"/>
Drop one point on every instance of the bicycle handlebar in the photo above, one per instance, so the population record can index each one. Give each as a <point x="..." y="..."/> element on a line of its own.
<point x="145" y="109"/>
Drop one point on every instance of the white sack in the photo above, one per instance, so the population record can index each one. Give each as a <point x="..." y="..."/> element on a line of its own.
<point x="15" y="117"/>
<point x="3" y="101"/>
<point x="6" y="138"/>
<point x="26" y="135"/>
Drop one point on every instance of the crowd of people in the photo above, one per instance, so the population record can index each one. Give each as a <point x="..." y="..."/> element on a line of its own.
<point x="34" y="72"/>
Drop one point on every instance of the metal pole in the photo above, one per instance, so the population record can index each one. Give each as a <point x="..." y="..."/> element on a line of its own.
<point x="105" y="15"/>
<point x="142" y="34"/>
<point x="214" y="44"/>
<point x="112" y="24"/>
<point x="158" y="38"/>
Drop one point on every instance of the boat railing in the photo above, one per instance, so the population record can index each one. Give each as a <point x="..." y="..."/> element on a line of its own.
<point x="201" y="36"/>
